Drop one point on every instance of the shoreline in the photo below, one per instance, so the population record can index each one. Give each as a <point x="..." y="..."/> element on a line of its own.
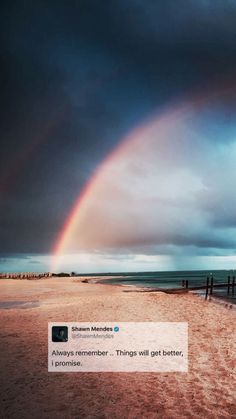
<point x="135" y="288"/>
<point x="214" y="299"/>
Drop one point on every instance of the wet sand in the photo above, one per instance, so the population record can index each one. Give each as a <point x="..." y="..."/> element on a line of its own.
<point x="28" y="390"/>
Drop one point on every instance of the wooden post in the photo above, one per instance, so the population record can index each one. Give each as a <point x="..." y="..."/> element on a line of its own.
<point x="207" y="287"/>
<point x="211" y="289"/>
<point x="233" y="285"/>
<point x="186" y="284"/>
<point x="228" y="288"/>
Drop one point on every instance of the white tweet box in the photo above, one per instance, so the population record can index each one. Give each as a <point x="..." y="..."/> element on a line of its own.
<point x="118" y="347"/>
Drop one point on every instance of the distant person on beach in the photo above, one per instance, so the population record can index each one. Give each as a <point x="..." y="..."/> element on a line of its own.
<point x="60" y="335"/>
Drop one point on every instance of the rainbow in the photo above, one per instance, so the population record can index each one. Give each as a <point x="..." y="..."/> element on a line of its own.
<point x="126" y="144"/>
<point x="25" y="155"/>
<point x="130" y="142"/>
<point x="68" y="227"/>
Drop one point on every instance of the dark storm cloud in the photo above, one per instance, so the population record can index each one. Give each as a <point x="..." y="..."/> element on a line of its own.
<point x="76" y="77"/>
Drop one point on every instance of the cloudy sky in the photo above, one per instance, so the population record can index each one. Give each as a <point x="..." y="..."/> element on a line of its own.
<point x="118" y="116"/>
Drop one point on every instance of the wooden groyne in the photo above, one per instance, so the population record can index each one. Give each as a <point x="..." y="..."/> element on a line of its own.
<point x="25" y="275"/>
<point x="209" y="287"/>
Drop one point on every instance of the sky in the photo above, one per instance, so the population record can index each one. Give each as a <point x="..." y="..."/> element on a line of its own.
<point x="118" y="135"/>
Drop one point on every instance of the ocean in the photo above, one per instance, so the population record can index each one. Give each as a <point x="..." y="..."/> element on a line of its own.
<point x="173" y="280"/>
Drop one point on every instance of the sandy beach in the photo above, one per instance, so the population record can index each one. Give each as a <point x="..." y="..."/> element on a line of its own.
<point x="28" y="390"/>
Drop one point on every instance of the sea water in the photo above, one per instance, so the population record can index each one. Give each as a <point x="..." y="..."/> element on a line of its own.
<point x="173" y="280"/>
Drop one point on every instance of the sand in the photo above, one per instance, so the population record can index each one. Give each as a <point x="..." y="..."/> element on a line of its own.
<point x="28" y="390"/>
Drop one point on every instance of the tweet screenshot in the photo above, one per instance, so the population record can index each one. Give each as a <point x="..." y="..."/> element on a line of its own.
<point x="118" y="209"/>
<point x="122" y="346"/>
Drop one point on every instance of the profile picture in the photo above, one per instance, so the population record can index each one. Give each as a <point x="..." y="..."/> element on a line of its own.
<point x="59" y="333"/>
